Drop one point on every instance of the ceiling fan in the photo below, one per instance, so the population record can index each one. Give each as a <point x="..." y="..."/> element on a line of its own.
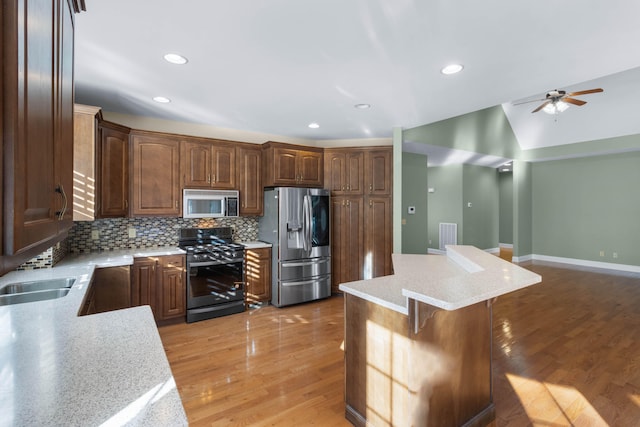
<point x="556" y="101"/>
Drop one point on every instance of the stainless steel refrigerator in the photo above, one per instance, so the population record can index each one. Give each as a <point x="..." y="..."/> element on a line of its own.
<point x="296" y="223"/>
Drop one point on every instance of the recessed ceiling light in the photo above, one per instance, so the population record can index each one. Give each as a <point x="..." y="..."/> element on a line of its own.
<point x="452" y="69"/>
<point x="314" y="125"/>
<point x="174" y="58"/>
<point x="161" y="99"/>
<point x="362" y="106"/>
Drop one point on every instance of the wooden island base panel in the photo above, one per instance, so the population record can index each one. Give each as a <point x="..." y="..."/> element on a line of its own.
<point x="418" y="344"/>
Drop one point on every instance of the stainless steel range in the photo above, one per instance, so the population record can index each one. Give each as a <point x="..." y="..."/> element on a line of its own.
<point x="215" y="272"/>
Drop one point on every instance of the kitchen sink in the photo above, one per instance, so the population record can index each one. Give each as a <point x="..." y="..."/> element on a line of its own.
<point x="37" y="285"/>
<point x="9" y="299"/>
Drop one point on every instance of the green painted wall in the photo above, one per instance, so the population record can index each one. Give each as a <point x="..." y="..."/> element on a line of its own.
<point x="596" y="147"/>
<point x="505" y="189"/>
<point x="445" y="203"/>
<point x="587" y="205"/>
<point x="522" y="210"/>
<point x="414" y="193"/>
<point x="480" y="221"/>
<point x="485" y="131"/>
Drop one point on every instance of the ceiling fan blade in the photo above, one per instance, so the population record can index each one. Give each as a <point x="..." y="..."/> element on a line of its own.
<point x="585" y="92"/>
<point x="573" y="101"/>
<point x="544" y="104"/>
<point x="527" y="102"/>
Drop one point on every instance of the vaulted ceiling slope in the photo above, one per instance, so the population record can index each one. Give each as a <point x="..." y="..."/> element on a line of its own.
<point x="276" y="66"/>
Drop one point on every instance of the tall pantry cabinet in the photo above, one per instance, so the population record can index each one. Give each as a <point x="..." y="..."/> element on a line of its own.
<point x="37" y="125"/>
<point x="360" y="180"/>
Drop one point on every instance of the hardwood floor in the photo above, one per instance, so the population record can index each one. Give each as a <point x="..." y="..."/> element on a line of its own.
<point x="566" y="353"/>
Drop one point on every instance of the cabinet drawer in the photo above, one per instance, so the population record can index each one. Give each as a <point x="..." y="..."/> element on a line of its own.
<point x="172" y="261"/>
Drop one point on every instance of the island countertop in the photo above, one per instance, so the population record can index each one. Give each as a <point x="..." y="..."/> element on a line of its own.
<point x="464" y="276"/>
<point x="102" y="369"/>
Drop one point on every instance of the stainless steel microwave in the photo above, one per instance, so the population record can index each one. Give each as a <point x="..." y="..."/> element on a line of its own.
<point x="209" y="203"/>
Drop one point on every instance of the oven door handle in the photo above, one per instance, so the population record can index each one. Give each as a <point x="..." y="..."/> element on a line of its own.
<point x="305" y="282"/>
<point x="202" y="264"/>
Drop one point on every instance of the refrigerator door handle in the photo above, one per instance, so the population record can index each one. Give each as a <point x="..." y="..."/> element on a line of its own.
<point x="306" y="214"/>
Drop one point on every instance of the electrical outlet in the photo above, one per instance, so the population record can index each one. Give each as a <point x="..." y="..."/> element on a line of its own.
<point x="615" y="254"/>
<point x="132" y="232"/>
<point x="601" y="253"/>
<point x="95" y="234"/>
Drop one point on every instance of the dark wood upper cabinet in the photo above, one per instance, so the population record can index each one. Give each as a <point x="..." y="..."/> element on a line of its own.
<point x="208" y="163"/>
<point x="37" y="122"/>
<point x="378" y="172"/>
<point x="113" y="171"/>
<point x="249" y="172"/>
<point x="155" y="174"/>
<point x="291" y="165"/>
<point x="344" y="171"/>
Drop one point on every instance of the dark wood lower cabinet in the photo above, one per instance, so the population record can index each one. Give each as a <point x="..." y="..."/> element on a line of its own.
<point x="258" y="275"/>
<point x="160" y="283"/>
<point x="111" y="288"/>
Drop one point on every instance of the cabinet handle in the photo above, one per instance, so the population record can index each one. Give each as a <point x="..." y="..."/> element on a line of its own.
<point x="348" y="188"/>
<point x="209" y="179"/>
<point x="126" y="204"/>
<point x="370" y="188"/>
<point x="214" y="178"/>
<point x="343" y="188"/>
<point x="63" y="210"/>
<point x="176" y="204"/>
<point x="348" y="202"/>
<point x="370" y="203"/>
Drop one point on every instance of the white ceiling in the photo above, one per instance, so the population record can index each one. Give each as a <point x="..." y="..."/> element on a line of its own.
<point x="275" y="66"/>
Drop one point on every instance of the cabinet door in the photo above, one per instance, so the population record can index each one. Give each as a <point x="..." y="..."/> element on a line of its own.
<point x="250" y="180"/>
<point x="354" y="172"/>
<point x="172" y="287"/>
<point x="156" y="183"/>
<point x="29" y="89"/>
<point x="173" y="293"/>
<point x="378" y="237"/>
<point x="309" y="168"/>
<point x="196" y="164"/>
<point x="113" y="177"/>
<point x="258" y="275"/>
<point x="334" y="164"/>
<point x="144" y="283"/>
<point x="284" y="166"/>
<point x="223" y="170"/>
<point x="64" y="132"/>
<point x="378" y="172"/>
<point x="347" y="240"/>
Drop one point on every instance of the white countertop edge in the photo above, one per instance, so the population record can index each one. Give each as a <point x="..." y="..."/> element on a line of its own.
<point x="371" y="298"/>
<point x="256" y="244"/>
<point x="461" y="260"/>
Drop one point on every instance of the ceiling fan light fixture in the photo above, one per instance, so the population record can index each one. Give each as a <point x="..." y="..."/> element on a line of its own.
<point x="452" y="69"/>
<point x="555" y="107"/>
<point x="362" y="106"/>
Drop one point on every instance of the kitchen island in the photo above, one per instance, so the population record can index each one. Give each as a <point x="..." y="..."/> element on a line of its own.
<point x="59" y="368"/>
<point x="418" y="343"/>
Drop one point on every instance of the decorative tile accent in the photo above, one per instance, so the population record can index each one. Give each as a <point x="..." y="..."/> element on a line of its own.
<point x="44" y="260"/>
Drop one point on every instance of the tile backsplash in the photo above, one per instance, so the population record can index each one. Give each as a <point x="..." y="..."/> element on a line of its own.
<point x="112" y="234"/>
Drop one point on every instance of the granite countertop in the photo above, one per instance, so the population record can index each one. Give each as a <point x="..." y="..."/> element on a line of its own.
<point x="61" y="369"/>
<point x="465" y="276"/>
<point x="257" y="244"/>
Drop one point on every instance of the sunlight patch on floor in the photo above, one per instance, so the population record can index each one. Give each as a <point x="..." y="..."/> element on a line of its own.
<point x="554" y="404"/>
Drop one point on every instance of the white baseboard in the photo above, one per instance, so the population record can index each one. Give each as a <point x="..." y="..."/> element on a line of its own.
<point x="433" y="251"/>
<point x="506" y="245"/>
<point x="605" y="267"/>
<point x="493" y="250"/>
